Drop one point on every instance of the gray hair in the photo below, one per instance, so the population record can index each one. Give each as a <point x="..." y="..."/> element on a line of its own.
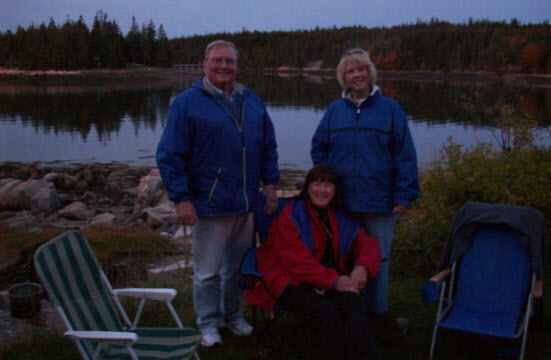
<point x="356" y="57"/>
<point x="221" y="43"/>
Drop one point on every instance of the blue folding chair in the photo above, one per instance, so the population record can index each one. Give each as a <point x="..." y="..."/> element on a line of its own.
<point x="489" y="289"/>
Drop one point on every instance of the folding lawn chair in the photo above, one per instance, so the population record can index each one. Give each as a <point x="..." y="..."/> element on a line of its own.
<point x="88" y="306"/>
<point x="496" y="253"/>
<point x="248" y="266"/>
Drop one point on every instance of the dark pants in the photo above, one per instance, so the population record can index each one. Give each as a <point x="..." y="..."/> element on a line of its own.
<point x="339" y="318"/>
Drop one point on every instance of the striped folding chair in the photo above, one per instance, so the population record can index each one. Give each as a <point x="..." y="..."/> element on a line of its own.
<point x="90" y="307"/>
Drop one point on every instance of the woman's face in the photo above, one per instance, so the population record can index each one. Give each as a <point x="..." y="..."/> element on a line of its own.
<point x="321" y="193"/>
<point x="356" y="77"/>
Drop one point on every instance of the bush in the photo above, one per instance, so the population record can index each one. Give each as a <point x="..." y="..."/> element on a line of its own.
<point x="516" y="173"/>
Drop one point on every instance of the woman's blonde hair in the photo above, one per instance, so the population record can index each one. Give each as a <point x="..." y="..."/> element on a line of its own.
<point x="356" y="57"/>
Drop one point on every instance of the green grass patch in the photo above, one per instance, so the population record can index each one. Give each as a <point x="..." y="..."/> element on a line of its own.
<point x="17" y="240"/>
<point x="290" y="335"/>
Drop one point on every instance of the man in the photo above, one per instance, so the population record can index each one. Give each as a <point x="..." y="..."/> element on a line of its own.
<point x="217" y="148"/>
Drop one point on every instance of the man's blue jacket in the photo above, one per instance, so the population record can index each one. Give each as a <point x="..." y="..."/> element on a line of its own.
<point x="209" y="157"/>
<point x="371" y="150"/>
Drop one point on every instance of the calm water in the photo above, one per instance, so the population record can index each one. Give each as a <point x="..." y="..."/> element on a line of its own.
<point x="67" y="125"/>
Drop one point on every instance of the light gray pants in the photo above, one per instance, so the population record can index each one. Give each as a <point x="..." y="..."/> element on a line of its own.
<point x="219" y="244"/>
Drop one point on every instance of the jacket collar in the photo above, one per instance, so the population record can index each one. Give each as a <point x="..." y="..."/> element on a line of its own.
<point x="375" y="90"/>
<point x="240" y="89"/>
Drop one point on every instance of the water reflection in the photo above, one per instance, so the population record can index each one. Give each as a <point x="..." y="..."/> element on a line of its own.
<point x="106" y="124"/>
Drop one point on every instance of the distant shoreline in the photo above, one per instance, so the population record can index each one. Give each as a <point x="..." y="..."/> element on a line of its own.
<point x="477" y="77"/>
<point x="160" y="76"/>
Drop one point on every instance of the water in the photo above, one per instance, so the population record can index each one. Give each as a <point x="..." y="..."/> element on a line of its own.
<point x="68" y="125"/>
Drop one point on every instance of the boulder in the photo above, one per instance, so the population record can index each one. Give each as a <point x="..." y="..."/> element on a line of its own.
<point x="150" y="190"/>
<point x="105" y="219"/>
<point x="67" y="182"/>
<point x="76" y="211"/>
<point x="87" y="176"/>
<point x="29" y="195"/>
<point x="51" y="177"/>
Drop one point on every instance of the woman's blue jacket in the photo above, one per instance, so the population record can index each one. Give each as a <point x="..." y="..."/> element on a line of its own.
<point x="371" y="150"/>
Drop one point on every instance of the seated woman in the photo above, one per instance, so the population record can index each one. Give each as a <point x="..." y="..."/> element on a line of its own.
<point x="315" y="262"/>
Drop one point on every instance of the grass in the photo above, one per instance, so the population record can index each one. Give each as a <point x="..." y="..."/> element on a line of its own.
<point x="289" y="334"/>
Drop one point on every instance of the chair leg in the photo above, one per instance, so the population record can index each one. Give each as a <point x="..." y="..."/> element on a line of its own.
<point x="433" y="342"/>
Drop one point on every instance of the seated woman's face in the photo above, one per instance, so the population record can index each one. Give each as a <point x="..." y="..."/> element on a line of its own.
<point x="321" y="193"/>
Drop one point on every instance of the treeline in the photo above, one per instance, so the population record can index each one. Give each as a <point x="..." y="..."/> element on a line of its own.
<point x="429" y="46"/>
<point x="73" y="46"/>
<point x="435" y="45"/>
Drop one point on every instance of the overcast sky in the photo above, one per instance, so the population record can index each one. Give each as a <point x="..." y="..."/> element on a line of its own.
<point x="190" y="17"/>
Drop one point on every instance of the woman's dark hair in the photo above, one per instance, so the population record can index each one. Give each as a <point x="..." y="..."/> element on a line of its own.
<point x="323" y="172"/>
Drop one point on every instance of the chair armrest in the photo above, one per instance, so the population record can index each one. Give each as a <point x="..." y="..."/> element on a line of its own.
<point x="111" y="337"/>
<point x="441" y="275"/>
<point x="149" y="294"/>
<point x="429" y="289"/>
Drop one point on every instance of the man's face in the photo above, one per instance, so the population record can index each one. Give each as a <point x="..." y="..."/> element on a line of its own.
<point x="221" y="67"/>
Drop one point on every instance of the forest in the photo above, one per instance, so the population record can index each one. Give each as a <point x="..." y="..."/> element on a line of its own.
<point x="473" y="46"/>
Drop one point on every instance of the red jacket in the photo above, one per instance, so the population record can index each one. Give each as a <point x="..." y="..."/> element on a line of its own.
<point x="286" y="258"/>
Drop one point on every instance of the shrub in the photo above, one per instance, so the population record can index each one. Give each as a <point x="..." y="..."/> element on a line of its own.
<point x="516" y="173"/>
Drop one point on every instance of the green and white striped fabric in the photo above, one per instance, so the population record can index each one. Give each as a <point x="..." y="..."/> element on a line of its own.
<point x="72" y="276"/>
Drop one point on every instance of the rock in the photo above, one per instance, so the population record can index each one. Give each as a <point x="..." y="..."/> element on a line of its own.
<point x="88" y="196"/>
<point x="82" y="185"/>
<point x="66" y="199"/>
<point x="35" y="230"/>
<point x="46" y="199"/>
<point x="20" y="174"/>
<point x="29" y="195"/>
<point x="150" y="190"/>
<point x="105" y="219"/>
<point x="87" y="176"/>
<point x="51" y="177"/>
<point x="153" y="218"/>
<point x="68" y="182"/>
<point x="76" y="211"/>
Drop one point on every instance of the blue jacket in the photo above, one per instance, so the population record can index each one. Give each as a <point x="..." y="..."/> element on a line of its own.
<point x="209" y="157"/>
<point x="371" y="150"/>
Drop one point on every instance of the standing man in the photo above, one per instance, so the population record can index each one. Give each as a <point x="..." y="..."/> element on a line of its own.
<point x="217" y="149"/>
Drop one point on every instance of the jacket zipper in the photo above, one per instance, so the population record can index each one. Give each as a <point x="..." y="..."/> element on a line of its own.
<point x="215" y="183"/>
<point x="356" y="146"/>
<point x="240" y="129"/>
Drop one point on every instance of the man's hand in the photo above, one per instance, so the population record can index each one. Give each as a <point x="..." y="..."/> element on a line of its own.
<point x="345" y="283"/>
<point x="359" y="275"/>
<point x="271" y="199"/>
<point x="400" y="209"/>
<point x="186" y="213"/>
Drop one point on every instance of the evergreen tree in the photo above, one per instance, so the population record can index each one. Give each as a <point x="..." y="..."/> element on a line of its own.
<point x="163" y="54"/>
<point x="134" y="43"/>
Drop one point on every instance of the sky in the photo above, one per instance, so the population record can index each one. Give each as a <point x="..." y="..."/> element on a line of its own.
<point x="181" y="18"/>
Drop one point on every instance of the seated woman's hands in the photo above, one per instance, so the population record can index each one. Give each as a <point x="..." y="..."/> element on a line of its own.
<point x="345" y="283"/>
<point x="355" y="282"/>
<point x="359" y="275"/>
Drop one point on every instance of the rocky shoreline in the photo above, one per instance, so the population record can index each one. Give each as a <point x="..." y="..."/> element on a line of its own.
<point x="94" y="194"/>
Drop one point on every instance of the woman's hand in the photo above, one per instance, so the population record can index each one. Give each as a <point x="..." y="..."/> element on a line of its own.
<point x="345" y="283"/>
<point x="359" y="275"/>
